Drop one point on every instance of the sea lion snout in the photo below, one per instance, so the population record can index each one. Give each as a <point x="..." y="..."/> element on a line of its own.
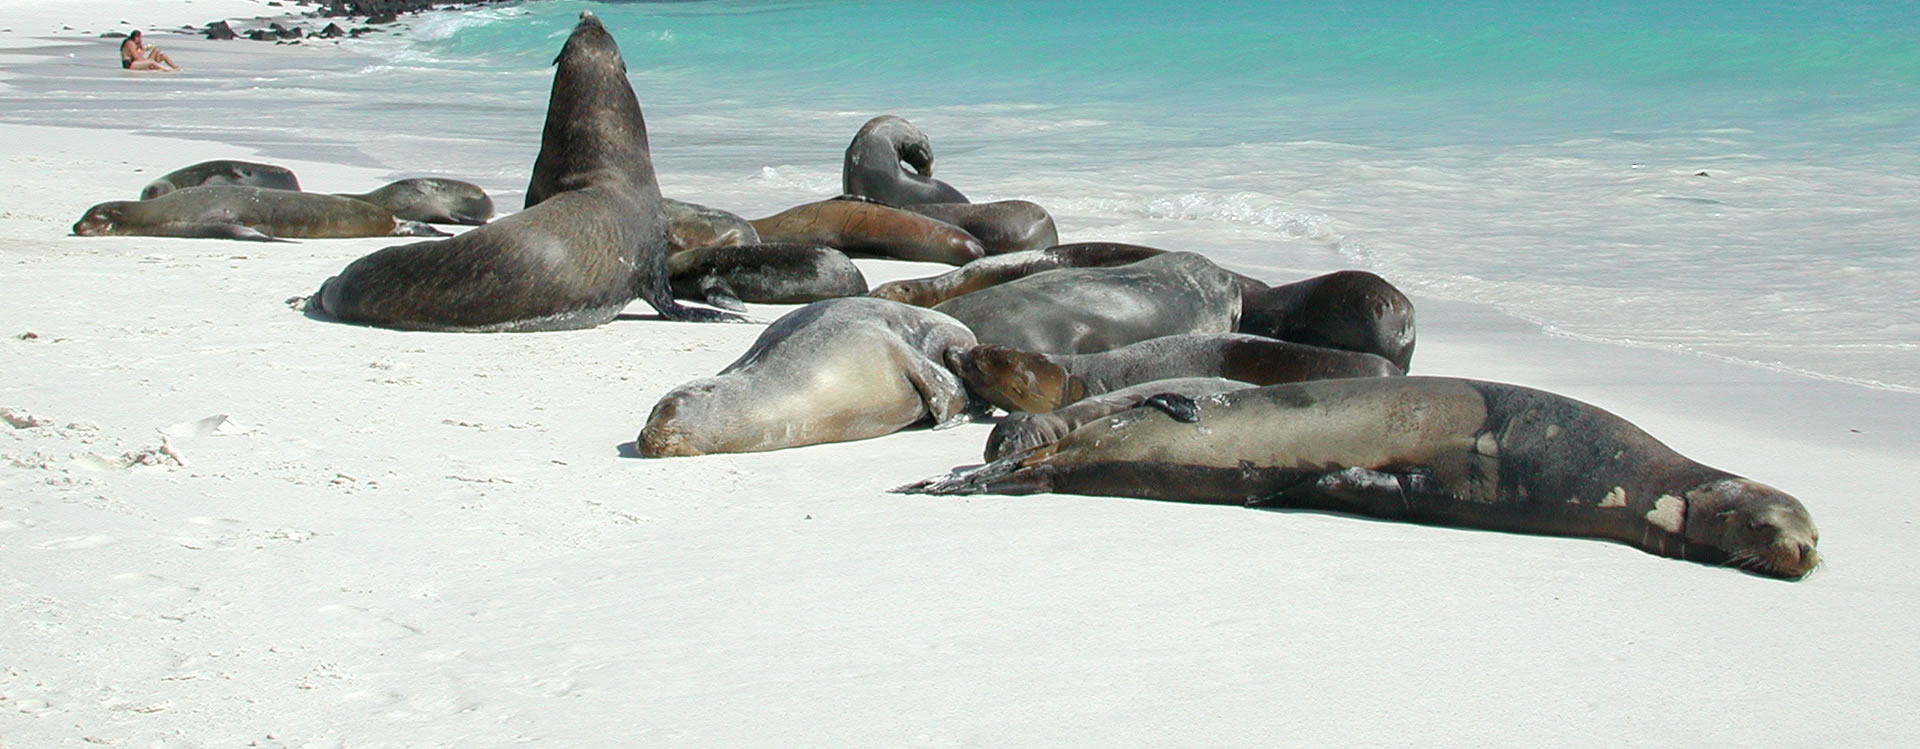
<point x="1756" y="527"/>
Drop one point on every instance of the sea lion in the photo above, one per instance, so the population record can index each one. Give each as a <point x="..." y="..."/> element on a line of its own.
<point x="725" y="277"/>
<point x="1425" y="449"/>
<point x="592" y="238"/>
<point x="1019" y="380"/>
<point x="1083" y="310"/>
<point x="222" y="172"/>
<point x="1350" y="309"/>
<point x="877" y="161"/>
<point x="999" y="269"/>
<point x="432" y="199"/>
<point x="832" y="371"/>
<point x="691" y="226"/>
<point x="1002" y="226"/>
<point x="1020" y="431"/>
<point x="863" y="227"/>
<point x="252" y="213"/>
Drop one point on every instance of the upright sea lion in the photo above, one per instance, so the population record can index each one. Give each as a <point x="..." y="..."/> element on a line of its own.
<point x="222" y="172"/>
<point x="999" y="269"/>
<point x="868" y="228"/>
<point x="1020" y="431"/>
<point x="842" y="369"/>
<point x="1350" y="309"/>
<point x="1002" y="226"/>
<point x="691" y="226"/>
<point x="763" y="274"/>
<point x="877" y="161"/>
<point x="1019" y="380"/>
<point x="1083" y="310"/>
<point x="252" y="213"/>
<point x="1424" y="449"/>
<point x="432" y="199"/>
<point x="591" y="240"/>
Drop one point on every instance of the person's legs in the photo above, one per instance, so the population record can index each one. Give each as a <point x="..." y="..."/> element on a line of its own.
<point x="161" y="57"/>
<point x="144" y="65"/>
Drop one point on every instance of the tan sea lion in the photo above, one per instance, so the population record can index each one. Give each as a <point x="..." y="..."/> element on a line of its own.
<point x="1083" y="310"/>
<point x="891" y="161"/>
<point x="1018" y="380"/>
<point x="691" y="226"/>
<point x="251" y="213"/>
<point x="862" y="227"/>
<point x="832" y="371"/>
<point x="1423" y="449"/>
<point x="592" y="238"/>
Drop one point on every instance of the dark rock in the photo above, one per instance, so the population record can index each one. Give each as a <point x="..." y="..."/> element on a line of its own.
<point x="332" y="31"/>
<point x="220" y="30"/>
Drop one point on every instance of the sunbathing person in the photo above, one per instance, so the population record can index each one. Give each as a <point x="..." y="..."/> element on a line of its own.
<point x="136" y="54"/>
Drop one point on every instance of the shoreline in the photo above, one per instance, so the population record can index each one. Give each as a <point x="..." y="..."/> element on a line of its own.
<point x="366" y="537"/>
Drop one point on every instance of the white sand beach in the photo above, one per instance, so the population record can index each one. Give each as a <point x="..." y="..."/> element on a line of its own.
<point x="223" y="523"/>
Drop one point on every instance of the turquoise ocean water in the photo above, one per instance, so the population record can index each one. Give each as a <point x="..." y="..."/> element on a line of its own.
<point x="1736" y="179"/>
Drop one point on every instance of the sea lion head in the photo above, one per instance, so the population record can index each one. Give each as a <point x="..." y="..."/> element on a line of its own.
<point x="102" y="220"/>
<point x="681" y="422"/>
<point x="1015" y="380"/>
<point x="1750" y="525"/>
<point x="912" y="291"/>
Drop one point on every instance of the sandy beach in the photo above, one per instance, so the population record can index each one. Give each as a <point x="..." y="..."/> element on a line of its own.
<point x="223" y="523"/>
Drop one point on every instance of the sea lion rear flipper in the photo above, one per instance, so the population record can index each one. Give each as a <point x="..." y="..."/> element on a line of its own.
<point x="719" y="293"/>
<point x="405" y="228"/>
<point x="241" y="232"/>
<point x="1180" y="407"/>
<point x="1357" y="490"/>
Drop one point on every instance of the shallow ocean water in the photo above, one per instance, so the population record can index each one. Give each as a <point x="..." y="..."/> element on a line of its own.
<point x="1731" y="179"/>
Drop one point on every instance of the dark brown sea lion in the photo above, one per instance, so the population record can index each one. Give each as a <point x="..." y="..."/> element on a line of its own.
<point x="999" y="269"/>
<point x="691" y="225"/>
<point x="1083" y="310"/>
<point x="1020" y="431"/>
<point x="592" y="238"/>
<point x="763" y="274"/>
<point x="222" y="172"/>
<point x="1002" y="226"/>
<point x="832" y="371"/>
<point x="251" y="213"/>
<point x="878" y="161"/>
<point x="1350" y="309"/>
<point x="867" y="228"/>
<point x="1019" y="380"/>
<point x="1424" y="449"/>
<point x="434" y="200"/>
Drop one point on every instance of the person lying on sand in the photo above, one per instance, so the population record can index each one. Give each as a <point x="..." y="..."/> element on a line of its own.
<point x="136" y="54"/>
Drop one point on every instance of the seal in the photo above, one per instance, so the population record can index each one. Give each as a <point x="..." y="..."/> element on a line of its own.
<point x="1350" y="309"/>
<point x="832" y="371"/>
<point x="691" y="226"/>
<point x="999" y="269"/>
<point x="1430" y="450"/>
<point x="725" y="277"/>
<point x="1019" y="380"/>
<point x="1083" y="310"/>
<point x="860" y="227"/>
<point x="222" y="172"/>
<point x="252" y="213"/>
<point x="878" y="161"/>
<point x="1002" y="226"/>
<point x="592" y="238"/>
<point x="1020" y="431"/>
<point x="432" y="199"/>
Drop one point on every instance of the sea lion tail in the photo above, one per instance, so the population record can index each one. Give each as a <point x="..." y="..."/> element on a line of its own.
<point x="1008" y="475"/>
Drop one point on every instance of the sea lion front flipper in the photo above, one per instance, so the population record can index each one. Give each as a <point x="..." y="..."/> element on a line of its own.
<point x="1180" y="407"/>
<point x="241" y="232"/>
<point x="1007" y="475"/>
<point x="466" y="220"/>
<point x="1357" y="490"/>
<point x="719" y="293"/>
<point x="941" y="389"/>
<point x="406" y="228"/>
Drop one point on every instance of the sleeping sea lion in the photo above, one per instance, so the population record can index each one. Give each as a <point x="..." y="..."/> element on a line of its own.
<point x="259" y="214"/>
